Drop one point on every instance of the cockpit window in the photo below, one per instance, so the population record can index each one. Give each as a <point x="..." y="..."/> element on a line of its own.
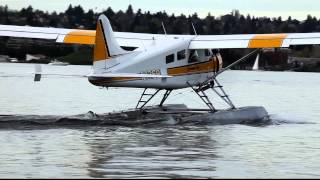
<point x="170" y="58"/>
<point x="193" y="56"/>
<point x="181" y="54"/>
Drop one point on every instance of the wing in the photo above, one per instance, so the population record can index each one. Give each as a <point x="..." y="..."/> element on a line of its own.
<point x="254" y="41"/>
<point x="75" y="36"/>
<point x="58" y="34"/>
<point x="127" y="39"/>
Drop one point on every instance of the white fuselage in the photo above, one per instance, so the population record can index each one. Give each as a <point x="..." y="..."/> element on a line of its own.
<point x="160" y="57"/>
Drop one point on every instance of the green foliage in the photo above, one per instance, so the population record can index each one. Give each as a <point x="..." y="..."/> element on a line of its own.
<point x="81" y="57"/>
<point x="129" y="20"/>
<point x="307" y="51"/>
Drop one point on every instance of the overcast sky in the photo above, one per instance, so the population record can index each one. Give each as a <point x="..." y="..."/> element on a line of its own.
<point x="298" y="9"/>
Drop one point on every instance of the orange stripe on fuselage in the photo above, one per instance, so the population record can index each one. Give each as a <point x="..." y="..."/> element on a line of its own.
<point x="267" y="41"/>
<point x="80" y="37"/>
<point x="203" y="67"/>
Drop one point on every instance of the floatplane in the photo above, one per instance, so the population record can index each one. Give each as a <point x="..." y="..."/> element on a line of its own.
<point x="159" y="62"/>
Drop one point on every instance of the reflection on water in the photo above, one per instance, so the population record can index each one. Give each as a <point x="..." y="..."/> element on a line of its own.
<point x="287" y="148"/>
<point x="136" y="153"/>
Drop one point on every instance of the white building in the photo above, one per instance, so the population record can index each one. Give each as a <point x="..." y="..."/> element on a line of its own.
<point x="30" y="57"/>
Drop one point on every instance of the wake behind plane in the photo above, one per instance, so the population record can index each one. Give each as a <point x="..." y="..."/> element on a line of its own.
<point x="159" y="61"/>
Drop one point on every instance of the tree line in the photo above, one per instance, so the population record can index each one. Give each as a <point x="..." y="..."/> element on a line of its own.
<point x="145" y="22"/>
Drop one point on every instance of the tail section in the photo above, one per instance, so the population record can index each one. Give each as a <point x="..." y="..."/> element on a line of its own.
<point x="106" y="45"/>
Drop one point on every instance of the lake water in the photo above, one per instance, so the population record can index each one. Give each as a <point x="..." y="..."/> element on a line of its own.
<point x="289" y="148"/>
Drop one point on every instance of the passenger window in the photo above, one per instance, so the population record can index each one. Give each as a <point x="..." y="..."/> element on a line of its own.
<point x="170" y="58"/>
<point x="193" y="56"/>
<point x="181" y="54"/>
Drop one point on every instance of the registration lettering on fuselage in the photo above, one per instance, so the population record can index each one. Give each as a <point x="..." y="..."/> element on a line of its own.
<point x="153" y="72"/>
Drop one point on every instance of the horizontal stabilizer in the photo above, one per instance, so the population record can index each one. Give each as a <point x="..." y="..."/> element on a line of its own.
<point x="128" y="75"/>
<point x="38" y="74"/>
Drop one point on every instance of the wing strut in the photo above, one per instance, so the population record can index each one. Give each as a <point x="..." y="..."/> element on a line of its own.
<point x="209" y="83"/>
<point x="244" y="58"/>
